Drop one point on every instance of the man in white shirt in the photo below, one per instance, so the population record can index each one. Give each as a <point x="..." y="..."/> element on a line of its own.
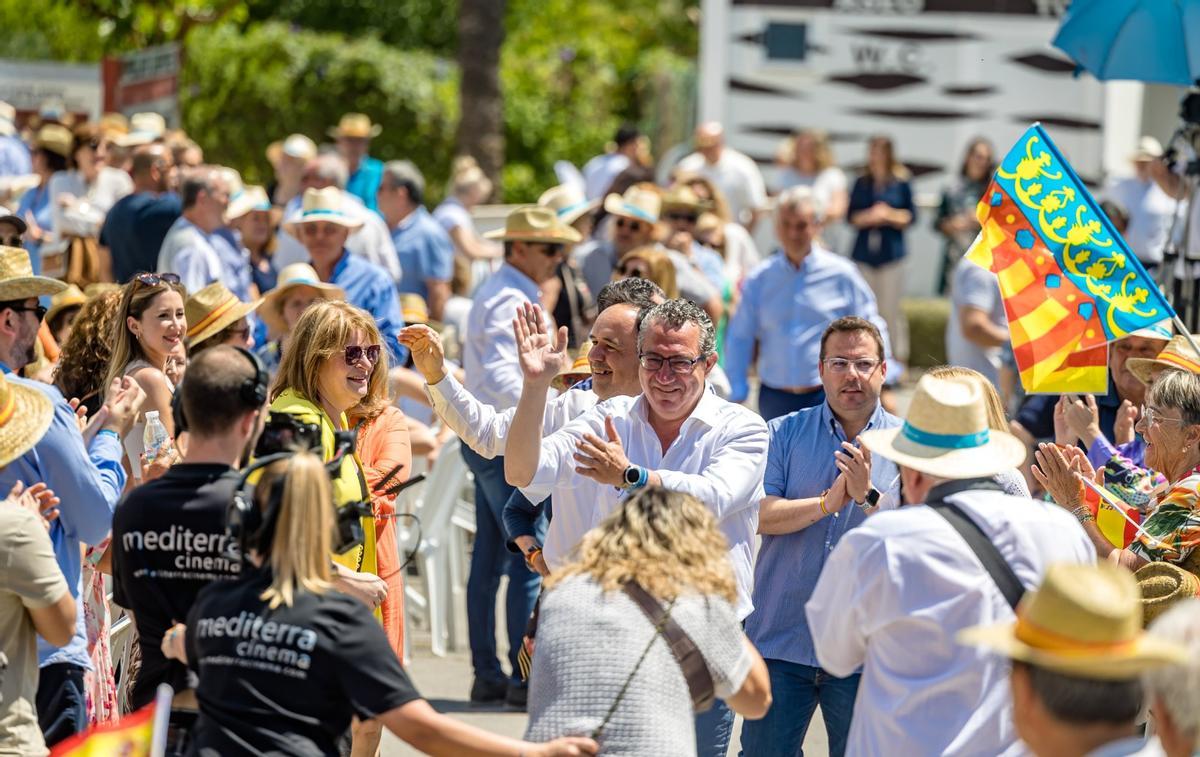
<point x="735" y="173"/>
<point x="534" y="240"/>
<point x="599" y="172"/>
<point x="1150" y="208"/>
<point x="898" y="588"/>
<point x="614" y="366"/>
<point x="676" y="434"/>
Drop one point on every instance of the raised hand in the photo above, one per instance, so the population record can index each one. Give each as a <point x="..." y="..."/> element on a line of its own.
<point x="38" y="499"/>
<point x="541" y="355"/>
<point x="1062" y="429"/>
<point x="855" y="464"/>
<point x="1127" y="416"/>
<point x="1083" y="418"/>
<point x="429" y="355"/>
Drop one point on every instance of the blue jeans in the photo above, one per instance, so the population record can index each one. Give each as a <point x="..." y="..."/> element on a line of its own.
<point x="713" y="730"/>
<point x="796" y="690"/>
<point x="490" y="560"/>
<point x="773" y="403"/>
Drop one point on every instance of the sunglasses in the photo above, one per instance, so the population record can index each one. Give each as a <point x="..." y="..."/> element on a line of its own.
<point x="13" y="241"/>
<point x="355" y="353"/>
<point x="629" y="223"/>
<point x="688" y="217"/>
<point x="632" y="271"/>
<point x="37" y="310"/>
<point x="550" y="250"/>
<point x="154" y="279"/>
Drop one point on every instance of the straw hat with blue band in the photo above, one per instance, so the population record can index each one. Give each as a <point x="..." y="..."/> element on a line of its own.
<point x="326" y="204"/>
<point x="639" y="203"/>
<point x="246" y="200"/>
<point x="568" y="202"/>
<point x="292" y="276"/>
<point x="946" y="434"/>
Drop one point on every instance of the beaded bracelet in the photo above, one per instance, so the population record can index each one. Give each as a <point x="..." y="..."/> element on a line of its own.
<point x="1083" y="514"/>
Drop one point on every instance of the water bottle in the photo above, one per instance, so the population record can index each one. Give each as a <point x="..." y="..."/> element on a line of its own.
<point x="155" y="439"/>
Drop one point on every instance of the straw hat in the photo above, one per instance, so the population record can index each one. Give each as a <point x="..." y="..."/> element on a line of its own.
<point x="292" y="276"/>
<point x="98" y="288"/>
<point x="577" y="371"/>
<point x="144" y="128"/>
<point x="682" y="197"/>
<point x="1177" y="354"/>
<point x="25" y="414"/>
<point x="413" y="308"/>
<point x="17" y="281"/>
<point x="1163" y="585"/>
<point x="356" y="126"/>
<point x="535" y="224"/>
<point x="296" y="146"/>
<point x="946" y="434"/>
<point x="211" y="309"/>
<point x="248" y="199"/>
<point x="114" y="124"/>
<point x="568" y="201"/>
<point x="638" y="203"/>
<point x="326" y="204"/>
<point x="71" y="297"/>
<point x="1085" y="621"/>
<point x="55" y="138"/>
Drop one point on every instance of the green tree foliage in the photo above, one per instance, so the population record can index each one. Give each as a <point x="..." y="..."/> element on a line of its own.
<point x="410" y="25"/>
<point x="241" y="90"/>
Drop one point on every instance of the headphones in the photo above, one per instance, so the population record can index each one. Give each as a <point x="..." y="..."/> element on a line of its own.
<point x="253" y="391"/>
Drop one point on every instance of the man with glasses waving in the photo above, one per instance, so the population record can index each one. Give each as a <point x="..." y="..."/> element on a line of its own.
<point x="819" y="485"/>
<point x="676" y="434"/>
<point x="785" y="306"/>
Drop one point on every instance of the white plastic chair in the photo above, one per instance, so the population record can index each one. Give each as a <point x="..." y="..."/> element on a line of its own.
<point x="435" y="500"/>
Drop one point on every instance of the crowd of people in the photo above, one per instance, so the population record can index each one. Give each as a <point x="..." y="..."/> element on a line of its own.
<point x="685" y="459"/>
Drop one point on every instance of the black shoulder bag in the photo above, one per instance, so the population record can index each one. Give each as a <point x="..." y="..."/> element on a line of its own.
<point x="978" y="542"/>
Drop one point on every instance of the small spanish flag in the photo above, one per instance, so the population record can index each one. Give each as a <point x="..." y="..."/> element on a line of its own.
<point x="138" y="734"/>
<point x="1118" y="521"/>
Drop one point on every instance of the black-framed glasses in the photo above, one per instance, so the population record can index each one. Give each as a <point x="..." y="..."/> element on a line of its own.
<point x="629" y="223"/>
<point x="863" y="367"/>
<point x="154" y="279"/>
<point x="356" y="352"/>
<point x="37" y="310"/>
<point x="679" y="365"/>
<point x="688" y="217"/>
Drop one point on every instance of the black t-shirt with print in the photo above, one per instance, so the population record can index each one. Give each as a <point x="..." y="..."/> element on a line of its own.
<point x="288" y="680"/>
<point x="168" y="543"/>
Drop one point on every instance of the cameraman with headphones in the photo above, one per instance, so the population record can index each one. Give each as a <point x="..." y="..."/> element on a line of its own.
<point x="285" y="661"/>
<point x="169" y="537"/>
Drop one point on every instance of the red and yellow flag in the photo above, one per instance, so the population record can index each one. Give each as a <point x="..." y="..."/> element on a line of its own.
<point x="138" y="734"/>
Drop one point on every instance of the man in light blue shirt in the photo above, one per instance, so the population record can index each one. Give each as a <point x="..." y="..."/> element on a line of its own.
<point x="424" y="248"/>
<point x="87" y="479"/>
<point x="194" y="249"/>
<point x="785" y="306"/>
<point x="819" y="484"/>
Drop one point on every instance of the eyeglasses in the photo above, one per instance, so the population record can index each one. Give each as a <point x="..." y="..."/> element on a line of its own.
<point x="37" y="310"/>
<point x="679" y="365"/>
<point x="628" y="223"/>
<point x="1153" y="415"/>
<point x="154" y="279"/>
<point x="356" y="352"/>
<point x="686" y="217"/>
<point x="864" y="367"/>
<point x="551" y="249"/>
<point x="632" y="270"/>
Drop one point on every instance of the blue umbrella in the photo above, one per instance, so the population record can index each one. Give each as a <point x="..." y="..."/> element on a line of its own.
<point x="1143" y="40"/>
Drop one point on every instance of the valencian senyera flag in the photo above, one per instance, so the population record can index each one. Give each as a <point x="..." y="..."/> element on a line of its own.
<point x="1069" y="282"/>
<point x="139" y="734"/>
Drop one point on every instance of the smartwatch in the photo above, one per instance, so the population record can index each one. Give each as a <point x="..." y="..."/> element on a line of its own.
<point x="872" y="498"/>
<point x="635" y="478"/>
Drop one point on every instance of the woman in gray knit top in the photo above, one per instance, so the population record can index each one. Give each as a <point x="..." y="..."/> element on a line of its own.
<point x="591" y="634"/>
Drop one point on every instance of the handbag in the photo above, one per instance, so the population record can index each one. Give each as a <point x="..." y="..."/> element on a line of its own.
<point x="977" y="541"/>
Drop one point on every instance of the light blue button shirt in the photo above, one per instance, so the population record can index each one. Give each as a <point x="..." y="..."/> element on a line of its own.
<point x="800" y="464"/>
<point x="786" y="309"/>
<point x="89" y="483"/>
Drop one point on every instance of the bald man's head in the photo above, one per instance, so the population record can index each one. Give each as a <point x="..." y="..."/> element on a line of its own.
<point x="151" y="167"/>
<point x="710" y="138"/>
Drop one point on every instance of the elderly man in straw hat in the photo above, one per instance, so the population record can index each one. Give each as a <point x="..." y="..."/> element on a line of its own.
<point x="1077" y="650"/>
<point x="534" y="241"/>
<point x="323" y="226"/>
<point x="897" y="589"/>
<point x="354" y="133"/>
<point x="88" y="479"/>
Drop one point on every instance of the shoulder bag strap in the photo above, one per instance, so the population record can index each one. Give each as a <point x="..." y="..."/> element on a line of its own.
<point x="687" y="654"/>
<point x="978" y="542"/>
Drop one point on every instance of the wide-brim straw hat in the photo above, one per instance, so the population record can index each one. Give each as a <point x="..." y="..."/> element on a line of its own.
<point x="577" y="371"/>
<point x="355" y="126"/>
<point x="248" y="199"/>
<point x="17" y="281"/>
<point x="638" y="203"/>
<point x="1162" y="586"/>
<point x="946" y="434"/>
<point x="212" y="309"/>
<point x="295" y="145"/>
<point x="1177" y="354"/>
<point x="326" y="204"/>
<point x="413" y="308"/>
<point x="535" y="224"/>
<point x="1084" y="621"/>
<point x="568" y="201"/>
<point x="292" y="276"/>
<point x="25" y="414"/>
<point x="56" y="138"/>
<point x="71" y="297"/>
<point x="682" y="197"/>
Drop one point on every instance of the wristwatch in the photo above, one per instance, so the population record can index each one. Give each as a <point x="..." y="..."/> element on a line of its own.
<point x="635" y="478"/>
<point x="871" y="500"/>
